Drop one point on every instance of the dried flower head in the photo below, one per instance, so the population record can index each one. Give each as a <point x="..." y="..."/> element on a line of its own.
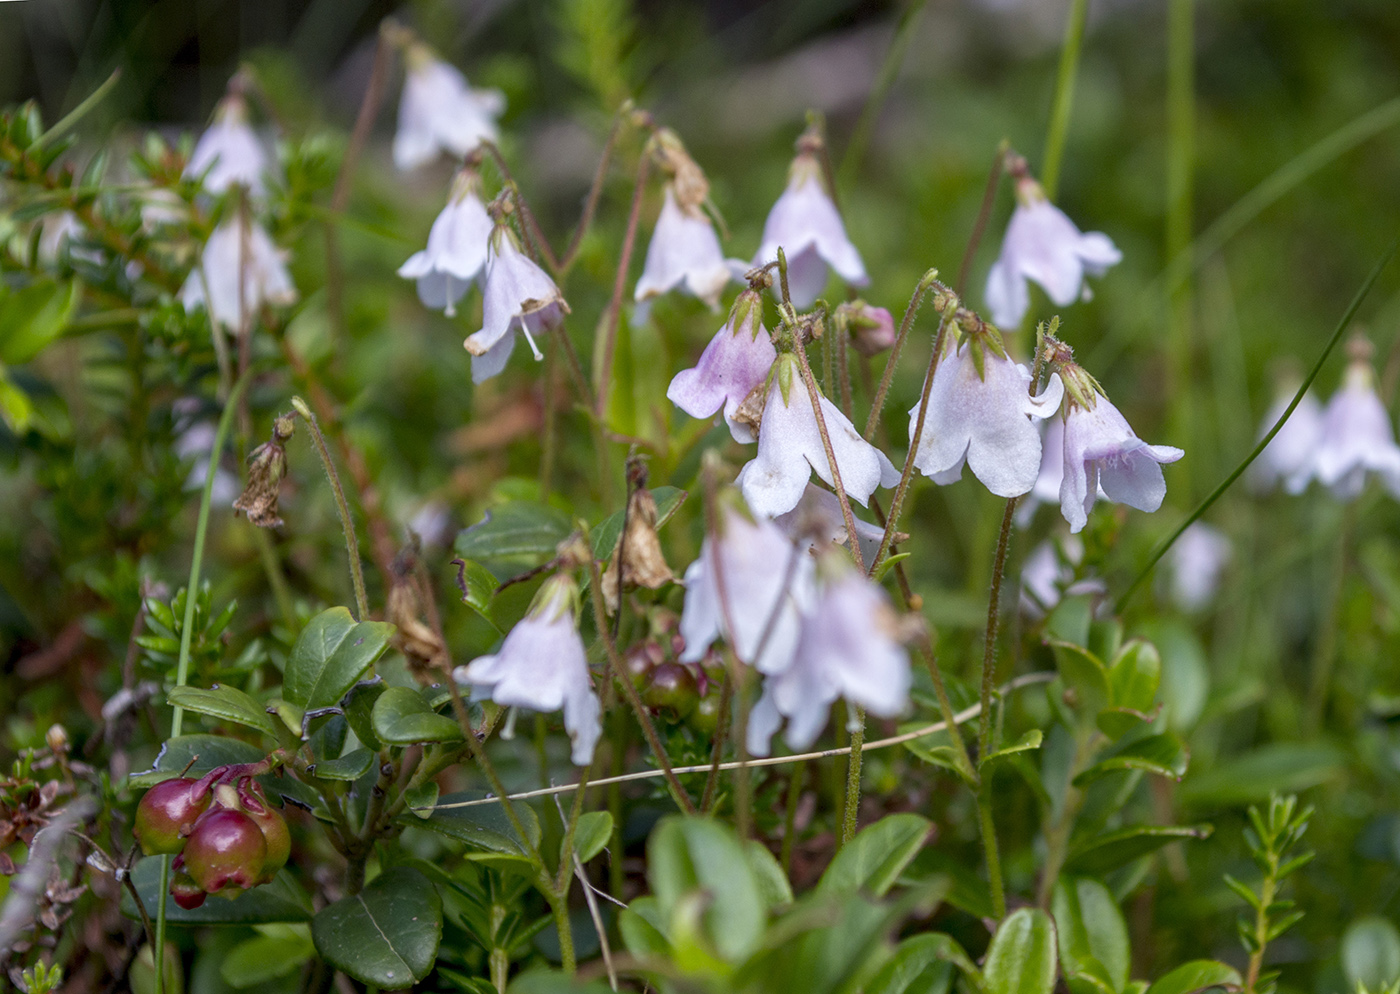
<point x="267" y="464"/>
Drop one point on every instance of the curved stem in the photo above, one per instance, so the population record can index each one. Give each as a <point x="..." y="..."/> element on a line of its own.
<point x="347" y="524"/>
<point x="989" y="646"/>
<point x="930" y="279"/>
<point x="609" y="343"/>
<point x="815" y="395"/>
<point x="889" y="70"/>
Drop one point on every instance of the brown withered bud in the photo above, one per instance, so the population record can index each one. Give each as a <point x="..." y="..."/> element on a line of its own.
<point x="871" y="328"/>
<point x="637" y="553"/>
<point x="267" y="464"/>
<point x="750" y="412"/>
<point x="689" y="183"/>
<point x="421" y="646"/>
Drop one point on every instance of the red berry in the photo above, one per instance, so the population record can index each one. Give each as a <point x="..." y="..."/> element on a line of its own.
<point x="640" y="660"/>
<point x="186" y="892"/>
<point x="274" y="828"/>
<point x="672" y="689"/>
<point x="225" y="848"/>
<point x="165" y="815"/>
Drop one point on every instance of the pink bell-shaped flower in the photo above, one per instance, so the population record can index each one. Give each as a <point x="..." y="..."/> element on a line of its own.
<point x="238" y="247"/>
<point x="983" y="418"/>
<point x="519" y="296"/>
<point x="456" y="252"/>
<point x="817" y="521"/>
<point x="848" y="646"/>
<point x="751" y="576"/>
<point x="1356" y="439"/>
<point x="542" y="666"/>
<point x="736" y="361"/>
<point x="684" y="254"/>
<point x="806" y="225"/>
<point x="439" y="112"/>
<point x="1043" y="245"/>
<point x="1288" y="458"/>
<point x="1195" y="564"/>
<point x="790" y="448"/>
<point x="230" y="151"/>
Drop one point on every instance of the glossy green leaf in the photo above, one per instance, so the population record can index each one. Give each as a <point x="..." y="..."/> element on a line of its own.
<point x="922" y="964"/>
<point x="1371" y="953"/>
<point x="1133" y="680"/>
<point x="33" y="317"/>
<point x="1165" y="755"/>
<point x="515" y="529"/>
<point x="591" y="836"/>
<point x="200" y="753"/>
<point x="772" y="881"/>
<point x="1026" y="743"/>
<point x="478" y="588"/>
<point x="266" y="957"/>
<point x="282" y="900"/>
<point x="874" y="859"/>
<point x="402" y="717"/>
<point x="359" y="710"/>
<point x="1197" y="975"/>
<point x="351" y="766"/>
<point x="887" y="564"/>
<point x="421" y="798"/>
<point x="1093" y="936"/>
<point x="331" y="653"/>
<point x="639" y="925"/>
<point x="1021" y="959"/>
<point x="1104" y="852"/>
<point x="386" y="935"/>
<point x="484" y="826"/>
<point x="1084" y="677"/>
<point x="691" y="858"/>
<point x="226" y="703"/>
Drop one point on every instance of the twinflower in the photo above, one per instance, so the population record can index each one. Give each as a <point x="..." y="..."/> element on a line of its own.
<point x="848" y="646"/>
<point x="456" y="252"/>
<point x="806" y="225"/>
<point x="1195" y="565"/>
<point x="439" y="112"/>
<point x="1356" y="438"/>
<point x="790" y="448"/>
<point x="230" y="151"/>
<point x="684" y="253"/>
<point x="736" y="361"/>
<point x="1043" y="245"/>
<point x="518" y="296"/>
<point x="1101" y="450"/>
<point x="980" y="411"/>
<point x="541" y="666"/>
<point x="241" y="269"/>
<point x="1288" y="458"/>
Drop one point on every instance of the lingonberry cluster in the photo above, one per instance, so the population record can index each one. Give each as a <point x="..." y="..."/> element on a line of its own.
<point x="222" y="831"/>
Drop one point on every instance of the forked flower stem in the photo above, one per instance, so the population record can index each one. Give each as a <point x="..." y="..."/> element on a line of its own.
<point x="347" y="524"/>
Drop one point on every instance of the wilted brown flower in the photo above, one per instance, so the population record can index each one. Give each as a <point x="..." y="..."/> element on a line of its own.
<point x="267" y="464"/>
<point x="638" y="551"/>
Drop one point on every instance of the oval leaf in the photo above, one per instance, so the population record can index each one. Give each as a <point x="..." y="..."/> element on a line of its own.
<point x="484" y="826"/>
<point x="516" y="529"/>
<point x="1022" y="959"/>
<point x="330" y="654"/>
<point x="387" y="934"/>
<point x="402" y="717"/>
<point x="875" y="858"/>
<point x="1165" y="755"/>
<point x="227" y="703"/>
<point x="692" y="859"/>
<point x="1371" y="953"/>
<point x="1102" y="853"/>
<point x="1091" y="931"/>
<point x="594" y="830"/>
<point x="1196" y="975"/>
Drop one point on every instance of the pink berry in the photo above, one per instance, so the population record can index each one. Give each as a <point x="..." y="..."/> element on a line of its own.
<point x="226" y="848"/>
<point x="166" y="814"/>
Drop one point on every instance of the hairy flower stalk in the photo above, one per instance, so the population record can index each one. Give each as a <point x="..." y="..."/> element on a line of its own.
<point x="457" y="247"/>
<point x="1044" y="246"/>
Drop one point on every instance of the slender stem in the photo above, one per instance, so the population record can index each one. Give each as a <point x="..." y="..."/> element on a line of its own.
<point x="549" y="440"/>
<point x="630" y="692"/>
<point x="272" y="566"/>
<point x="794" y="795"/>
<point x="1259" y="447"/>
<point x="534" y="235"/>
<point x="1064" y="96"/>
<point x="1325" y="650"/>
<point x="566" y="851"/>
<point x="843" y="372"/>
<point x="201" y="529"/>
<point x="608" y="345"/>
<point x="989" y="646"/>
<point x="889" y="70"/>
<point x="961" y="717"/>
<point x="1181" y="121"/>
<point x="989" y="845"/>
<point x="816" y="397"/>
<point x="726" y="702"/>
<point x="158" y="945"/>
<point x="930" y="278"/>
<point x="352" y="543"/>
<point x="585" y="392"/>
<point x="364" y="121"/>
<point x="743" y="777"/>
<point x="75" y="115"/>
<point x="560" y="907"/>
<point x="848" y="826"/>
<point x="590" y="205"/>
<point x="945" y="708"/>
<point x="907" y="473"/>
<point x="984" y="214"/>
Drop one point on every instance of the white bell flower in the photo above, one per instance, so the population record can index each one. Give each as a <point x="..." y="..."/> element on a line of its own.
<point x="848" y="646"/>
<point x="807" y="226"/>
<point x="542" y="666"/>
<point x="1048" y="575"/>
<point x="230" y="151"/>
<point x="790" y="448"/>
<point x="1101" y="450"/>
<point x="753" y="576"/>
<point x="518" y="296"/>
<point x="238" y="247"/>
<point x="1288" y="458"/>
<point x="456" y="252"/>
<point x="684" y="254"/>
<point x="439" y="112"/>
<point x="1043" y="245"/>
<point x="736" y="361"/>
<point x="1195" y="564"/>
<point x="817" y="520"/>
<point x="984" y="421"/>
<point x="1356" y="438"/>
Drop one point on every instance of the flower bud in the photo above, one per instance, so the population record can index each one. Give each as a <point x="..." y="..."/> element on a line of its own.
<point x="57" y="738"/>
<point x="672" y="689"/>
<point x="266" y="466"/>
<point x="226" y="847"/>
<point x="165" y="815"/>
<point x="871" y="328"/>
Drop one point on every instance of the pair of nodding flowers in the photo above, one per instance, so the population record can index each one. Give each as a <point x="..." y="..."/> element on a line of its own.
<point x="1340" y="446"/>
<point x="465" y="247"/>
<point x="241" y="268"/>
<point x="814" y="627"/>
